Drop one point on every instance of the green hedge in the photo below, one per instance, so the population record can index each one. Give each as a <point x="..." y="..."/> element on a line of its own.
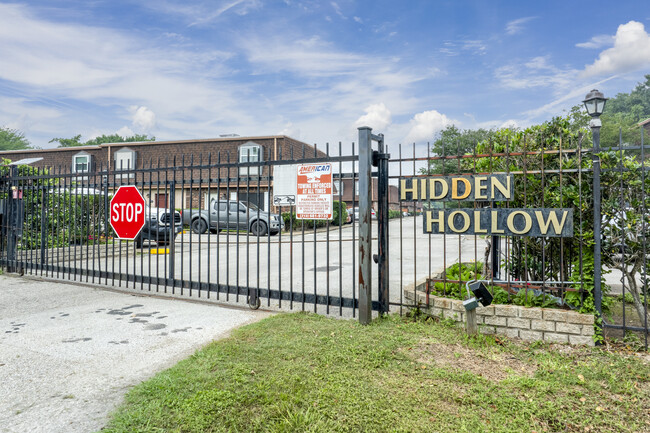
<point x="340" y="216"/>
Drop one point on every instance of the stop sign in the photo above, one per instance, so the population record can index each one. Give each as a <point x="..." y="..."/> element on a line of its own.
<point x="127" y="212"/>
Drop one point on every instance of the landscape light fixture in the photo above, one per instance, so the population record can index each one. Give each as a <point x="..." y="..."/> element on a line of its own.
<point x="481" y="294"/>
<point x="595" y="103"/>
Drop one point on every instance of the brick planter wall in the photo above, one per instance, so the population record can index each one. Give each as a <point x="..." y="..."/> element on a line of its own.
<point x="531" y="324"/>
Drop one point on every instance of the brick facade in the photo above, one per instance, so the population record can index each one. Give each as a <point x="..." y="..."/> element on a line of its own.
<point x="181" y="162"/>
<point x="350" y="197"/>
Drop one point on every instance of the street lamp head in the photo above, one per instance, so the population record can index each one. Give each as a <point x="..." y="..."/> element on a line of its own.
<point x="595" y="103"/>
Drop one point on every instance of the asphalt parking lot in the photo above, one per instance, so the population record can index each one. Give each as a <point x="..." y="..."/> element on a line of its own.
<point x="69" y="352"/>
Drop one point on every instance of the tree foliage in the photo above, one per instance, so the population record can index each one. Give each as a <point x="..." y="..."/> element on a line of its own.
<point x="622" y="115"/>
<point x="626" y="222"/>
<point x="452" y="142"/>
<point x="12" y="139"/>
<point x="55" y="215"/>
<point x="112" y="138"/>
<point x="543" y="156"/>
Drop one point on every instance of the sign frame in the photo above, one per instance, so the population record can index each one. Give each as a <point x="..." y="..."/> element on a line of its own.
<point x="314" y="191"/>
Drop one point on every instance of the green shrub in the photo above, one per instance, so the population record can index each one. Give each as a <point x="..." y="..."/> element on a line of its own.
<point x="339" y="216"/>
<point x="472" y="271"/>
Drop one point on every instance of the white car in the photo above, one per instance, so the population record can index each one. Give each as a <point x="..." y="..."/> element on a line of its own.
<point x="354" y="213"/>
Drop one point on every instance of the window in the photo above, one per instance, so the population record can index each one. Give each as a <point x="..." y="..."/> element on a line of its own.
<point x="124" y="160"/>
<point x="338" y="187"/>
<point x="250" y="152"/>
<point x="81" y="163"/>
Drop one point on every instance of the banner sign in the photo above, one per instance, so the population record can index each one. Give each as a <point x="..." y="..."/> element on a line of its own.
<point x="503" y="222"/>
<point x="314" y="192"/>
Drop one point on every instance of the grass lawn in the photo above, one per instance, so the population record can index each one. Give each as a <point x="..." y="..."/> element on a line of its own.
<point x="307" y="373"/>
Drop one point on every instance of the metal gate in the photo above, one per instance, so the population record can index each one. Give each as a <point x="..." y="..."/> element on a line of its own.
<point x="55" y="224"/>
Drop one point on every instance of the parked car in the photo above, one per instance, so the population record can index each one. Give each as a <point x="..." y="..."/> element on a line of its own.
<point x="233" y="215"/>
<point x="354" y="213"/>
<point x="160" y="226"/>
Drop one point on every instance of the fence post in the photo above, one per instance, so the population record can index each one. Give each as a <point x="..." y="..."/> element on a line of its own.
<point x="43" y="225"/>
<point x="172" y="210"/>
<point x="496" y="254"/>
<point x="12" y="221"/>
<point x="595" y="130"/>
<point x="382" y="231"/>
<point x="365" y="233"/>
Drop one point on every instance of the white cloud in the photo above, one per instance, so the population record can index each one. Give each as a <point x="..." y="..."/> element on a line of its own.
<point x="425" y="125"/>
<point x="631" y="51"/>
<point x="61" y="65"/>
<point x="455" y="48"/>
<point x="202" y="13"/>
<point x="377" y="117"/>
<point x="290" y="130"/>
<point x="536" y="72"/>
<point x="143" y="118"/>
<point x="337" y="9"/>
<point x="572" y="97"/>
<point x="516" y="26"/>
<point x="597" y="42"/>
<point x="357" y="19"/>
<point x="125" y="132"/>
<point x="510" y="123"/>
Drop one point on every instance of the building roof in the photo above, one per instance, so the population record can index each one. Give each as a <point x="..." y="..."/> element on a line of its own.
<point x="148" y="143"/>
<point x="644" y="122"/>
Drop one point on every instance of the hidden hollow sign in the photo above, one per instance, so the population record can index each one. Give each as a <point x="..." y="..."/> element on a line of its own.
<point x="542" y="222"/>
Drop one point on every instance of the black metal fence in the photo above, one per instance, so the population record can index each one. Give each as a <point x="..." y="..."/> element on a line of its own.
<point x="56" y="224"/>
<point x="549" y="170"/>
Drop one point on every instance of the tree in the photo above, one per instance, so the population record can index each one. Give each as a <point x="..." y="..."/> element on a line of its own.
<point x="68" y="142"/>
<point x="12" y="139"/>
<point x="622" y="115"/>
<point x="626" y="222"/>
<point x="452" y="142"/>
<point x="540" y="184"/>
<point x="113" y="138"/>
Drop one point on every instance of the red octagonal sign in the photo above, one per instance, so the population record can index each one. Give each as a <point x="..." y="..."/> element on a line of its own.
<point x="127" y="212"/>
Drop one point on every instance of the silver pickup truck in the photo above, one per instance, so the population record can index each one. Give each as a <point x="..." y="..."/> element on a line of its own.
<point x="233" y="215"/>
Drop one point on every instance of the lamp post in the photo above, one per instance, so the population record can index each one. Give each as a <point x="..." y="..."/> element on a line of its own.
<point x="595" y="104"/>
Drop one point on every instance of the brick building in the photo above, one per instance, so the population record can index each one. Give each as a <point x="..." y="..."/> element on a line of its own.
<point x="349" y="193"/>
<point x="177" y="167"/>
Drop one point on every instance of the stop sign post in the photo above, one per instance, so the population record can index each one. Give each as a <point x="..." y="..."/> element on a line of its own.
<point x="127" y="212"/>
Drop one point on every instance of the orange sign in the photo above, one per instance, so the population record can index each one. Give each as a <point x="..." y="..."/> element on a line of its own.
<point x="314" y="192"/>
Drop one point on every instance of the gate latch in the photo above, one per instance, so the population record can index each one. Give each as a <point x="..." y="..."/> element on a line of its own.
<point x="376" y="157"/>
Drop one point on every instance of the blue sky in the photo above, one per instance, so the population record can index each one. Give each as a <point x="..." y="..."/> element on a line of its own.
<point x="314" y="70"/>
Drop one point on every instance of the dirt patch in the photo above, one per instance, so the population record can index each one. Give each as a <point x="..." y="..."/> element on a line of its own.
<point x="491" y="365"/>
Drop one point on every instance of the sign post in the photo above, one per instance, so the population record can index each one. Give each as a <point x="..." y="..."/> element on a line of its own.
<point x="127" y="212"/>
<point x="314" y="192"/>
